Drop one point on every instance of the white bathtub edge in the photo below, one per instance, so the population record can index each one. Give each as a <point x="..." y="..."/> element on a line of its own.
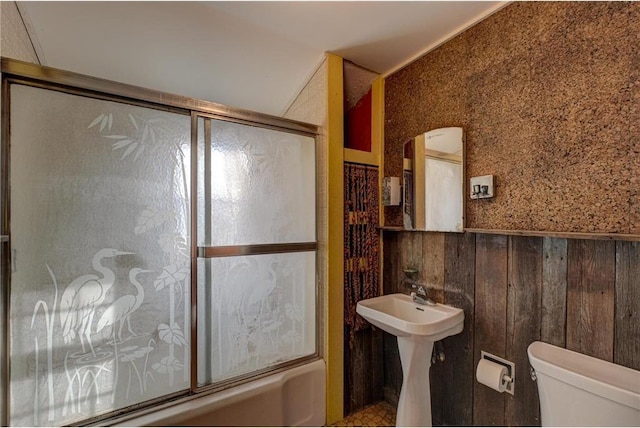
<point x="257" y="397"/>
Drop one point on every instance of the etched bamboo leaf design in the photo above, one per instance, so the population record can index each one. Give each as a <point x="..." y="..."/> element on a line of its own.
<point x="123" y="141"/>
<point x="172" y="334"/>
<point x="171" y="275"/>
<point x="96" y="121"/>
<point x="133" y="121"/>
<point x="145" y="133"/>
<point x="105" y="120"/>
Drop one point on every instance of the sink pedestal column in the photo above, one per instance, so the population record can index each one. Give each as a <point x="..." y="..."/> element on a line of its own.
<point x="414" y="405"/>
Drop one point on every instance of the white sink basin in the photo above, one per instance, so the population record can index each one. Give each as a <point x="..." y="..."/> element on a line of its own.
<point x="416" y="327"/>
<point x="399" y="315"/>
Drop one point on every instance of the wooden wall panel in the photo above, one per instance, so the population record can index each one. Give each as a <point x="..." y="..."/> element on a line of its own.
<point x="490" y="321"/>
<point x="391" y="271"/>
<point x="363" y="370"/>
<point x="459" y="368"/>
<point x="391" y="283"/>
<point x="627" y="321"/>
<point x="433" y="249"/>
<point x="515" y="290"/>
<point x="411" y="258"/>
<point x="433" y="265"/>
<point x="554" y="292"/>
<point x="392" y="369"/>
<point x="438" y="374"/>
<point x="377" y="365"/>
<point x="590" y="297"/>
<point x="523" y="325"/>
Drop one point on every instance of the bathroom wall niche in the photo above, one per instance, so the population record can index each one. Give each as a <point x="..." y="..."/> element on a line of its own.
<point x="433" y="176"/>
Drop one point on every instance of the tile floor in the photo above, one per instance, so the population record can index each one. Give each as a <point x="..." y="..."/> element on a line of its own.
<point x="381" y="414"/>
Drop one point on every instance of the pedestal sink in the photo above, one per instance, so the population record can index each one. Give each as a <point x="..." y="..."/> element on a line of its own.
<point x="417" y="327"/>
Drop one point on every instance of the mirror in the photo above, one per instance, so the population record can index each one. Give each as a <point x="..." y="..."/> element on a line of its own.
<point x="433" y="177"/>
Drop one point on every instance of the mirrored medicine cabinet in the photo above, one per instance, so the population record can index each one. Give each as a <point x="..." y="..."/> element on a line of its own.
<point x="433" y="177"/>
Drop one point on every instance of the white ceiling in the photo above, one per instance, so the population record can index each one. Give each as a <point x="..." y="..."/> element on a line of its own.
<point x="253" y="55"/>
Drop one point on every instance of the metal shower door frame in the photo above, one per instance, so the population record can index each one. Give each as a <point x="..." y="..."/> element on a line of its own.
<point x="19" y="72"/>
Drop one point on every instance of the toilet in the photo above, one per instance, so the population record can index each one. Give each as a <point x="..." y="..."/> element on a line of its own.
<point x="578" y="390"/>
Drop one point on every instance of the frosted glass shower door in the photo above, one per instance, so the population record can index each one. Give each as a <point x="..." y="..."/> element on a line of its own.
<point x="100" y="279"/>
<point x="257" y="236"/>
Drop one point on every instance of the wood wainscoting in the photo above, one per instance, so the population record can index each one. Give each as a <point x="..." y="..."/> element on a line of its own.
<point x="580" y="294"/>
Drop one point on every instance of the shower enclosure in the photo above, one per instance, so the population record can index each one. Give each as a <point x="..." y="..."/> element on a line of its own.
<point x="156" y="246"/>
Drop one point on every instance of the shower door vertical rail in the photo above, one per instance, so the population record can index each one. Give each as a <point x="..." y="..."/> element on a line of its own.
<point x="4" y="259"/>
<point x="194" y="252"/>
<point x="207" y="228"/>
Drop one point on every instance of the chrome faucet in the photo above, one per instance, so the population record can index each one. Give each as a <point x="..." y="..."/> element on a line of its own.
<point x="420" y="296"/>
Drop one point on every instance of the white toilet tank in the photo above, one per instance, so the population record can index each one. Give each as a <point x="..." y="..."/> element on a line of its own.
<point x="578" y="390"/>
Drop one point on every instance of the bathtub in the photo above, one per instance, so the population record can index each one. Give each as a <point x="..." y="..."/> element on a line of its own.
<point x="295" y="397"/>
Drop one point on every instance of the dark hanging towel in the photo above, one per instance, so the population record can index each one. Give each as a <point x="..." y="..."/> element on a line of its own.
<point x="361" y="241"/>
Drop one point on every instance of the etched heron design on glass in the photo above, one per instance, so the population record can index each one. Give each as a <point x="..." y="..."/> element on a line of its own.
<point x="83" y="296"/>
<point x="124" y="306"/>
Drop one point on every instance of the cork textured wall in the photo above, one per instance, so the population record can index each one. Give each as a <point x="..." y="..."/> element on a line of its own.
<point x="549" y="96"/>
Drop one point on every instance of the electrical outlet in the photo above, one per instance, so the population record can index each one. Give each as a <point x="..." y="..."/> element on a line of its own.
<point x="481" y="187"/>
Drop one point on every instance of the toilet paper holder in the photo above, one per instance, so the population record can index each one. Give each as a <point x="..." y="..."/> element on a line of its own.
<point x="510" y="378"/>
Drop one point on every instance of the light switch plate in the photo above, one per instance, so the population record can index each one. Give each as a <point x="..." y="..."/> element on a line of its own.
<point x="482" y="181"/>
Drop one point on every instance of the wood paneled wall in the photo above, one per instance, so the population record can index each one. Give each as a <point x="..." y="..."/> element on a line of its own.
<point x="580" y="294"/>
<point x="363" y="370"/>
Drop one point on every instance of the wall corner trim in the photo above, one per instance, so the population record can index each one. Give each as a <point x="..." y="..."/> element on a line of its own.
<point x="335" y="247"/>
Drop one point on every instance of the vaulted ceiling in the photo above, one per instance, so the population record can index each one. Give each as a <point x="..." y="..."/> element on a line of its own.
<point x="253" y="55"/>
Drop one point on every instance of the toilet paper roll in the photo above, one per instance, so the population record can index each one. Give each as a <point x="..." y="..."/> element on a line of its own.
<point x="491" y="374"/>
